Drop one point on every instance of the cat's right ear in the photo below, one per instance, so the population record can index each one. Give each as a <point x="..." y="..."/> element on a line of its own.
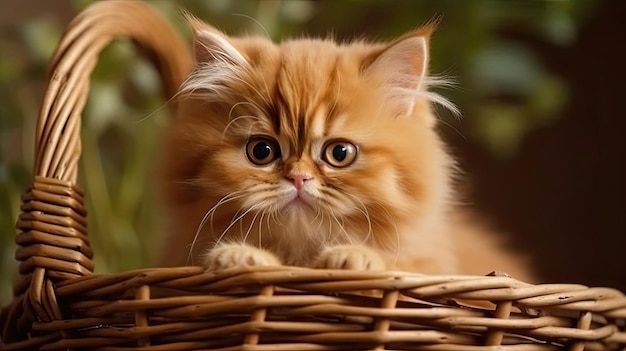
<point x="211" y="45"/>
<point x="402" y="68"/>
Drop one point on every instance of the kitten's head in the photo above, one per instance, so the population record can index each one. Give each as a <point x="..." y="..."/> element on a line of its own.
<point x="305" y="131"/>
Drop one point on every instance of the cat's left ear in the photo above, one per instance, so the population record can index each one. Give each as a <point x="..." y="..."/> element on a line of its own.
<point x="211" y="46"/>
<point x="402" y="68"/>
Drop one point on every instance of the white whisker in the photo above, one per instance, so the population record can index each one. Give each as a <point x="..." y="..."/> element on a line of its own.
<point x="235" y="221"/>
<point x="209" y="214"/>
<point x="259" y="239"/>
<point x="158" y="109"/>
<point x="365" y="213"/>
<point x="235" y="120"/>
<point x="256" y="22"/>
<point x="265" y="99"/>
<point x="441" y="120"/>
<point x="395" y="226"/>
<point x="245" y="237"/>
<point x="341" y="225"/>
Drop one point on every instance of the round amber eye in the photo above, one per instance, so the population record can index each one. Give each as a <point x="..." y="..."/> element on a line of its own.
<point x="339" y="153"/>
<point x="262" y="150"/>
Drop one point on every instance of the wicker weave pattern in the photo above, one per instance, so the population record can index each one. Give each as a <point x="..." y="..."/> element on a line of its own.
<point x="288" y="308"/>
<point x="59" y="304"/>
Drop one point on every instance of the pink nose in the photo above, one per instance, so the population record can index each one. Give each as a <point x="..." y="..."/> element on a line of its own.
<point x="298" y="180"/>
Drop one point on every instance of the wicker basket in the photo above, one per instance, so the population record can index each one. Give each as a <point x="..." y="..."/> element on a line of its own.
<point x="60" y="304"/>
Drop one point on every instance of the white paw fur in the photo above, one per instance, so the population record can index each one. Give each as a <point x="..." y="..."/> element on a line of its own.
<point x="238" y="255"/>
<point x="350" y="257"/>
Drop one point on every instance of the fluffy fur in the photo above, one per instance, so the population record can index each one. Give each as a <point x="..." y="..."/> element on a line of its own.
<point x="389" y="209"/>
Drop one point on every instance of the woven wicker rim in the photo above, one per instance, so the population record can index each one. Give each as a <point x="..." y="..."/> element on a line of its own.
<point x="60" y="304"/>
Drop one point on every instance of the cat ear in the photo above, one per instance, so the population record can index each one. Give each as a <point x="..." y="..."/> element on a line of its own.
<point x="402" y="69"/>
<point x="210" y="45"/>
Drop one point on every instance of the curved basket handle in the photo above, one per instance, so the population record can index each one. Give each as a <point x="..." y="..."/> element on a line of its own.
<point x="52" y="243"/>
<point x="57" y="143"/>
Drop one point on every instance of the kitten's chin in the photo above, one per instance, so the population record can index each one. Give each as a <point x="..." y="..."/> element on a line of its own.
<point x="298" y="203"/>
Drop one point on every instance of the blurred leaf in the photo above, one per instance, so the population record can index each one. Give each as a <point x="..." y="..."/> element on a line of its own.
<point x="144" y="77"/>
<point x="298" y="11"/>
<point x="40" y="37"/>
<point x="104" y="107"/>
<point x="217" y="6"/>
<point x="502" y="127"/>
<point x="10" y="68"/>
<point x="114" y="61"/>
<point x="549" y="97"/>
<point x="560" y="28"/>
<point x="505" y="68"/>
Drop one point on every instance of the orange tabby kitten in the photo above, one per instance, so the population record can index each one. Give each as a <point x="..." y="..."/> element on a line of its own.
<point x="314" y="153"/>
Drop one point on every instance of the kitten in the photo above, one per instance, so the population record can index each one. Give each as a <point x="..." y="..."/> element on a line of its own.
<point x="314" y="153"/>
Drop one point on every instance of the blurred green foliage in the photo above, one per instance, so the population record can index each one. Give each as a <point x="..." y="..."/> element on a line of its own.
<point x="501" y="84"/>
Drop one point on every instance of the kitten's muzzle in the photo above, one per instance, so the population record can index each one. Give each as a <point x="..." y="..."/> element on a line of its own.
<point x="298" y="179"/>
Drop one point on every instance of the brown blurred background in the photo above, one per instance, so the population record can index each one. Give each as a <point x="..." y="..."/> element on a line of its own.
<point x="563" y="193"/>
<point x="541" y="138"/>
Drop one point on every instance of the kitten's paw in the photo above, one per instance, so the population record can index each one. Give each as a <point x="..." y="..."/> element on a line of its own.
<point x="350" y="257"/>
<point x="238" y="255"/>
